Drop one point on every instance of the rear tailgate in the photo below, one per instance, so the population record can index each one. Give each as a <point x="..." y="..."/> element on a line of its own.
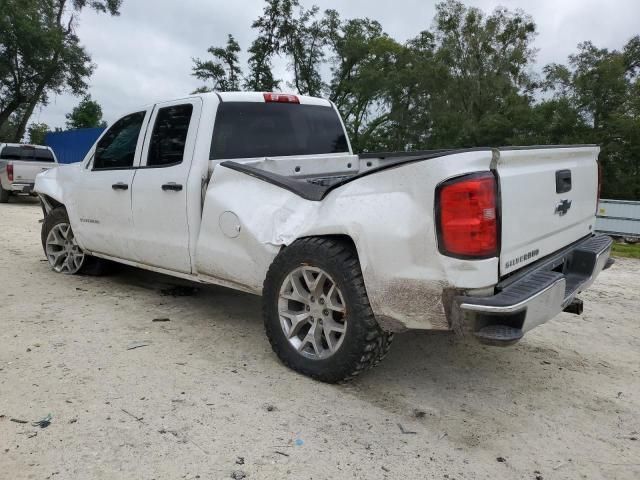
<point x="548" y="201"/>
<point x="26" y="171"/>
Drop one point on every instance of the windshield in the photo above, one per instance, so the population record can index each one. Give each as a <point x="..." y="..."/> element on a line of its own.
<point x="248" y="130"/>
<point x="26" y="153"/>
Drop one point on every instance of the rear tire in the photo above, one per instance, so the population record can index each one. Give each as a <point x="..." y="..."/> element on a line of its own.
<point x="385" y="347"/>
<point x="4" y="195"/>
<point x="318" y="282"/>
<point x="57" y="221"/>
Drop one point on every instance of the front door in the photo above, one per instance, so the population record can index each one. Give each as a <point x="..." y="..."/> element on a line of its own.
<point x="161" y="194"/>
<point x="101" y="206"/>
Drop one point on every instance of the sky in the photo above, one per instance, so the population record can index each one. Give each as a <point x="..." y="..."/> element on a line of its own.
<point x="145" y="54"/>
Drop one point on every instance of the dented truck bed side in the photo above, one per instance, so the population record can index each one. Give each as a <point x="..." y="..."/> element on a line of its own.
<point x="241" y="234"/>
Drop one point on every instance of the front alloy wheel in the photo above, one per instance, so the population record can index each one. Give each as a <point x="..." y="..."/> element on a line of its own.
<point x="62" y="250"/>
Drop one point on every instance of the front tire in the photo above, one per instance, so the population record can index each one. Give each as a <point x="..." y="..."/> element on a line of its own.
<point x="61" y="249"/>
<point x="317" y="314"/>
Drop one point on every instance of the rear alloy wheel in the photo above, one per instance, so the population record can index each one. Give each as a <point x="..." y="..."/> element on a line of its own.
<point x="316" y="311"/>
<point x="312" y="312"/>
<point x="62" y="250"/>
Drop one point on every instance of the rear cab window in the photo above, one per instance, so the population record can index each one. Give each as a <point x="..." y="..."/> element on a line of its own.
<point x="26" y="153"/>
<point x="270" y="129"/>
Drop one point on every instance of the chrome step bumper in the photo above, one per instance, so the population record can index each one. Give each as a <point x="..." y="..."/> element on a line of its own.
<point x="538" y="294"/>
<point x="22" y="187"/>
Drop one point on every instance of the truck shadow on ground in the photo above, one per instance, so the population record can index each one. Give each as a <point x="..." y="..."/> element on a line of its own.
<point x="438" y="384"/>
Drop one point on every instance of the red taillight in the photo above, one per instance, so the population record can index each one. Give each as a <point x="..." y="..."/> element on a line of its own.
<point x="467" y="212"/>
<point x="280" y="98"/>
<point x="10" y="172"/>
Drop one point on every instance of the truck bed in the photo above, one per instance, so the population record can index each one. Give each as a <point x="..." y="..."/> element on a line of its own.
<point x="289" y="173"/>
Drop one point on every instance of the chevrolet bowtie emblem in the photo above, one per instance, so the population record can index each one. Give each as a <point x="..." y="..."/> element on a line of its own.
<point x="563" y="207"/>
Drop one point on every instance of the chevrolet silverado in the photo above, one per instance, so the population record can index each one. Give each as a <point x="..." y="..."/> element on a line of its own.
<point x="261" y="192"/>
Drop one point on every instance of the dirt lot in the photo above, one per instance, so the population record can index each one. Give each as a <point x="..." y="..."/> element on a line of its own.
<point x="206" y="389"/>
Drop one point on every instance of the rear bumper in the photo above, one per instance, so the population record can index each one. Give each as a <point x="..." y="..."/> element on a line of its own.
<point x="536" y="295"/>
<point x="22" y="187"/>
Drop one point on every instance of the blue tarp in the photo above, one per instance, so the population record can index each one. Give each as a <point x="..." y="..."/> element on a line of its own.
<point x="71" y="146"/>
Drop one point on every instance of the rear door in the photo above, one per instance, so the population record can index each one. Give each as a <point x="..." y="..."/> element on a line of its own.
<point x="102" y="196"/>
<point x="161" y="194"/>
<point x="548" y="201"/>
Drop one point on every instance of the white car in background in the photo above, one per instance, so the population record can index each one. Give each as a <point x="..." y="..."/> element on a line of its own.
<point x="261" y="192"/>
<point x="19" y="165"/>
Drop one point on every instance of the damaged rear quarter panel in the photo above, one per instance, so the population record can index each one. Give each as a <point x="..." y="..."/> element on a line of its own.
<point x="389" y="216"/>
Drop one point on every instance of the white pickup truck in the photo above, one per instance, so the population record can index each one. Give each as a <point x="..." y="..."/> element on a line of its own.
<point x="262" y="193"/>
<point x="19" y="165"/>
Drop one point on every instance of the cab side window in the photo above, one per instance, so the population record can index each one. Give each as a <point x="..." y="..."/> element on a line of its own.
<point x="169" y="136"/>
<point x="117" y="148"/>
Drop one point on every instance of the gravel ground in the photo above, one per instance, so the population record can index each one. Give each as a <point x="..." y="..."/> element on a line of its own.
<point x="203" y="396"/>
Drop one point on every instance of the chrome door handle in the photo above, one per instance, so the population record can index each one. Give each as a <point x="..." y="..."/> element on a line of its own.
<point x="120" y="186"/>
<point x="172" y="186"/>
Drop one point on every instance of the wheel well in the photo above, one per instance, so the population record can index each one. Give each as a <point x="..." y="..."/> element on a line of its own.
<point x="50" y="202"/>
<point x="338" y="237"/>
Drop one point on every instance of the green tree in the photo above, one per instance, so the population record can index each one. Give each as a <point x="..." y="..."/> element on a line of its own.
<point x="288" y="29"/>
<point x="88" y="114"/>
<point x="37" y="132"/>
<point x="303" y="39"/>
<point x="365" y="66"/>
<point x="484" y="92"/>
<point x="602" y="88"/>
<point x="260" y="76"/>
<point x="41" y="55"/>
<point x="8" y="129"/>
<point x="262" y="49"/>
<point x="466" y="82"/>
<point x="223" y="71"/>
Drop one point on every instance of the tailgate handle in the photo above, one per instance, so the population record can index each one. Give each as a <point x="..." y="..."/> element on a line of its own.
<point x="563" y="181"/>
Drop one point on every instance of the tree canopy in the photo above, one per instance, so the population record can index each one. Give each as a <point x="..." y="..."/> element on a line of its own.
<point x="41" y="55"/>
<point x="37" y="132"/>
<point x="468" y="81"/>
<point x="88" y="114"/>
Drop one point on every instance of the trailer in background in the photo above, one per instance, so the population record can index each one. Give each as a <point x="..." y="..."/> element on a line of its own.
<point x="619" y="218"/>
<point x="71" y="146"/>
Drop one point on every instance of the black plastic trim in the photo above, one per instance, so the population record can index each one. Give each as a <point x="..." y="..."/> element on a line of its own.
<point x="520" y="291"/>
<point x="629" y="219"/>
<point x="166" y="165"/>
<point x="113" y="168"/>
<point x="563" y="181"/>
<point x="550" y="262"/>
<point x="545" y="147"/>
<point x="416" y="153"/>
<point x="306" y="190"/>
<point x="577" y="262"/>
